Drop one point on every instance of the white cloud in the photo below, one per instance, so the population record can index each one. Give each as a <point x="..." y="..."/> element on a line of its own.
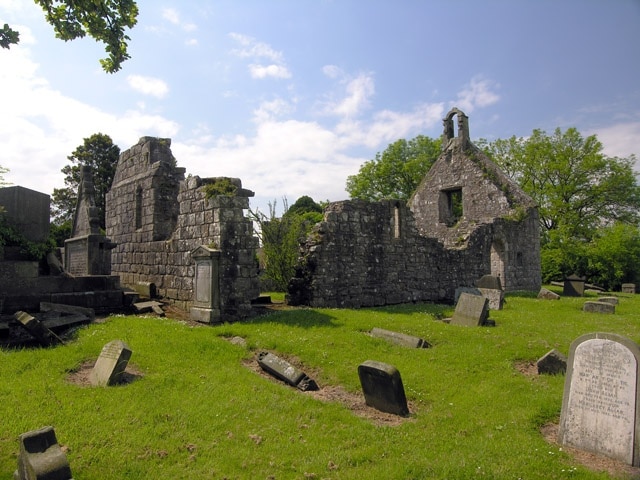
<point x="619" y="140"/>
<point x="477" y="93"/>
<point x="148" y="85"/>
<point x="332" y="71"/>
<point x="251" y="48"/>
<point x="172" y="16"/>
<point x="270" y="110"/>
<point x="356" y="95"/>
<point x="275" y="71"/>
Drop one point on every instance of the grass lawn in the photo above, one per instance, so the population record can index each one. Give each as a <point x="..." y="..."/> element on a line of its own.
<point x="198" y="408"/>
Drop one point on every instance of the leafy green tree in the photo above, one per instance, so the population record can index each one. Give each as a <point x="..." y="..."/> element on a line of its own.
<point x="103" y="20"/>
<point x="99" y="153"/>
<point x="396" y="172"/>
<point x="280" y="238"/>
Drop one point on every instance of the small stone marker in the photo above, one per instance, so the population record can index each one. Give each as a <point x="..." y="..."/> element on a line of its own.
<point x="400" y="338"/>
<point x="628" y="288"/>
<point x="42" y="334"/>
<point x="286" y="372"/>
<point x="382" y="387"/>
<point x="41" y="458"/>
<point x="611" y="300"/>
<point x="471" y="311"/>
<point x="111" y="364"/>
<point x="552" y="363"/>
<point x="546" y="294"/>
<point x="600" y="401"/>
<point x="599" y="307"/>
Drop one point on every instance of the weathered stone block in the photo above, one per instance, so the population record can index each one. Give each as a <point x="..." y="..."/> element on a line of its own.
<point x="545" y="294"/>
<point x="599" y="307"/>
<point x="400" y="338"/>
<point x="41" y="458"/>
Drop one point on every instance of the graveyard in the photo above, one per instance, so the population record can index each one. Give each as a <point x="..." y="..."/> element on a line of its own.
<point x="194" y="403"/>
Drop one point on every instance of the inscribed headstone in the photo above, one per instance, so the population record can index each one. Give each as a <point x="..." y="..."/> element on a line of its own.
<point x="382" y="387"/>
<point x="471" y="310"/>
<point x="600" y="401"/>
<point x="283" y="370"/>
<point x="111" y="364"/>
<point x="400" y="338"/>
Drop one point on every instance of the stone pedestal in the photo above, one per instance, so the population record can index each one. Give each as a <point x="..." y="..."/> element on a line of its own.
<point x="88" y="255"/>
<point x="206" y="292"/>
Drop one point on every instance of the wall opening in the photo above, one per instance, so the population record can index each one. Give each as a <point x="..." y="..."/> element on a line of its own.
<point x="497" y="261"/>
<point x="138" y="208"/>
<point x="450" y="206"/>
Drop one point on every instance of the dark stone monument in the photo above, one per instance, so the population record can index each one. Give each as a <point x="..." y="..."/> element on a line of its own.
<point x="573" y="286"/>
<point x="471" y="311"/>
<point x="552" y="363"/>
<point x="206" y="299"/>
<point x="286" y="372"/>
<point x="27" y="210"/>
<point x="600" y="401"/>
<point x="111" y="364"/>
<point x="41" y="458"/>
<point x="382" y="387"/>
<point x="400" y="338"/>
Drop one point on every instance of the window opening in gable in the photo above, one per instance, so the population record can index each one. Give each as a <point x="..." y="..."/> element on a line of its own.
<point x="451" y="210"/>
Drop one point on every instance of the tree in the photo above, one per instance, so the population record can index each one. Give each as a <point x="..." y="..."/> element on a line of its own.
<point x="104" y="20"/>
<point x="280" y="238"/>
<point x="99" y="153"/>
<point x="586" y="200"/>
<point x="396" y="172"/>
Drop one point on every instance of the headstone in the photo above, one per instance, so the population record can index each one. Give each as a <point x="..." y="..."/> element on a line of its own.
<point x="611" y="300"/>
<point x="599" y="307"/>
<point x="490" y="282"/>
<point x="545" y="294"/>
<point x="552" y="363"/>
<point x="573" y="286"/>
<point x="628" y="288"/>
<point x="286" y="372"/>
<point x="111" y="364"/>
<point x="41" y="458"/>
<point x="600" y="402"/>
<point x="41" y="333"/>
<point x="494" y="296"/>
<point x="206" y="298"/>
<point x="382" y="387"/>
<point x="400" y="338"/>
<point x="471" y="311"/>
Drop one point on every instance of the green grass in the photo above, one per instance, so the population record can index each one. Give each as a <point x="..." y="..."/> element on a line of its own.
<point x="197" y="412"/>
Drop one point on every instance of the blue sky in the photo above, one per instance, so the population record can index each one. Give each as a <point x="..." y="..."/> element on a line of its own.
<point x="292" y="96"/>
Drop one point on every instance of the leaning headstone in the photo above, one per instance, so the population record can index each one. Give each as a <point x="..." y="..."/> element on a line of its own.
<point x="401" y="339"/>
<point x="600" y="402"/>
<point x="41" y="458"/>
<point x="573" y="286"/>
<point x="41" y="333"/>
<point x="111" y="364"/>
<point x="599" y="307"/>
<point x="471" y="311"/>
<point x="490" y="282"/>
<point x="552" y="363"/>
<point x="286" y="372"/>
<point x="628" y="288"/>
<point x="611" y="300"/>
<point x="545" y="294"/>
<point x="382" y="387"/>
<point x="493" y="295"/>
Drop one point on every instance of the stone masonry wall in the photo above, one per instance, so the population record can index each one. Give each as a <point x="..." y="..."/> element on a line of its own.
<point x="157" y="218"/>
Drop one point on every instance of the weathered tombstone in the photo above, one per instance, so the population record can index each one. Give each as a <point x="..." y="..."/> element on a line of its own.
<point x="599" y="307"/>
<point x="545" y="294"/>
<point x="628" y="288"/>
<point x="111" y="364"/>
<point x="552" y="363"/>
<point x="611" y="300"/>
<point x="573" y="286"/>
<point x="283" y="370"/>
<point x="494" y="296"/>
<point x="400" y="338"/>
<point x="490" y="282"/>
<point x="41" y="458"/>
<point x="382" y="387"/>
<point x="40" y="332"/>
<point x="206" y="296"/>
<point x="600" y="402"/>
<point x="471" y="311"/>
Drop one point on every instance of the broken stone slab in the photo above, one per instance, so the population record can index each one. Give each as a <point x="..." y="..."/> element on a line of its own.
<point x="286" y="372"/>
<point x="54" y="323"/>
<point x="111" y="364"/>
<point x="382" y="387"/>
<point x="146" y="307"/>
<point x="611" y="300"/>
<point x="471" y="311"/>
<point x="545" y="294"/>
<point x="70" y="309"/>
<point x="599" y="307"/>
<point x="37" y="329"/>
<point x="41" y="458"/>
<point x="146" y="289"/>
<point x="400" y="338"/>
<point x="490" y="282"/>
<point x="552" y="363"/>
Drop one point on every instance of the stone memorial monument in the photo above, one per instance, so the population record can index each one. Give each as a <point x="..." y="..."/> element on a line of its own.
<point x="111" y="364"/>
<point x="382" y="387"/>
<point x="573" y="286"/>
<point x="206" y="299"/>
<point x="471" y="311"/>
<point x="600" y="401"/>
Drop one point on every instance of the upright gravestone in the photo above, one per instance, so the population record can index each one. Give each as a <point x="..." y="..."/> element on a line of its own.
<point x="382" y="387"/>
<point x="628" y="288"/>
<point x="111" y="364"/>
<point x="205" y="307"/>
<point x="471" y="310"/>
<point x="573" y="286"/>
<point x="600" y="401"/>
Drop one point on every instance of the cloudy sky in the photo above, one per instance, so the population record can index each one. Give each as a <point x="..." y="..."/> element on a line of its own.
<point x="292" y="96"/>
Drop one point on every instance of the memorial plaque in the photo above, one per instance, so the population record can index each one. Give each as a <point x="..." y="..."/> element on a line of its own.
<point x="111" y="364"/>
<point x="599" y="406"/>
<point x="203" y="282"/>
<point x="76" y="253"/>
